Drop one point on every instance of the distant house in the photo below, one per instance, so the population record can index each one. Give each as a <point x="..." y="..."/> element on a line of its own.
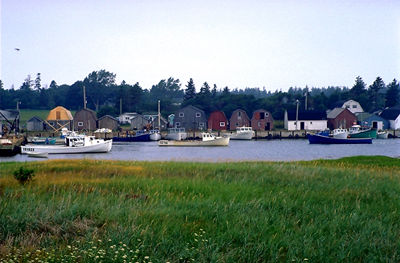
<point x="238" y="118"/>
<point x="139" y="122"/>
<point x="393" y="116"/>
<point x="352" y="106"/>
<point x="341" y="118"/>
<point x="59" y="118"/>
<point x="262" y="120"/>
<point x="35" y="124"/>
<point x="306" y="120"/>
<point x="126" y="117"/>
<point x="372" y="120"/>
<point x="108" y="122"/>
<point x="191" y="118"/>
<point x="85" y="119"/>
<point x="217" y="121"/>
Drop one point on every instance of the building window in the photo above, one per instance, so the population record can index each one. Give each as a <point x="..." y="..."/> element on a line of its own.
<point x="239" y="113"/>
<point x="222" y="124"/>
<point x="201" y="124"/>
<point x="177" y="124"/>
<point x="310" y="122"/>
<point x="262" y="115"/>
<point x="181" y="114"/>
<point x="259" y="124"/>
<point x="58" y="115"/>
<point x="198" y="114"/>
<point x="80" y="123"/>
<point x="266" y="114"/>
<point x="354" y="106"/>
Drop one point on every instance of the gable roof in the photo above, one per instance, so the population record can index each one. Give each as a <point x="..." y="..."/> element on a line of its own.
<point x="35" y="118"/>
<point x="91" y="112"/>
<point x="307" y="115"/>
<point x="64" y="114"/>
<point x="191" y="107"/>
<point x="108" y="116"/>
<point x="8" y="115"/>
<point x="335" y="112"/>
<point x="390" y="114"/>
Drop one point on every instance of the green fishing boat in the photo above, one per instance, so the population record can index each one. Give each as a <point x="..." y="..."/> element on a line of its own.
<point x="357" y="132"/>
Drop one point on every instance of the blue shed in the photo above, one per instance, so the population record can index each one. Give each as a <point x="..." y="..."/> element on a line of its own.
<point x="373" y="121"/>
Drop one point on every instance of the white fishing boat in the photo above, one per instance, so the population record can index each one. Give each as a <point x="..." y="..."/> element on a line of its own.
<point x="243" y="133"/>
<point x="155" y="135"/>
<point x="73" y="144"/>
<point x="206" y="140"/>
<point x="38" y="154"/>
<point x="382" y="135"/>
<point x="340" y="133"/>
<point x="176" y="134"/>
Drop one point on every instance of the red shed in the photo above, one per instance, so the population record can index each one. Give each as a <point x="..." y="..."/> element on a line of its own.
<point x="239" y="118"/>
<point x="217" y="121"/>
<point x="262" y="120"/>
<point x="341" y="118"/>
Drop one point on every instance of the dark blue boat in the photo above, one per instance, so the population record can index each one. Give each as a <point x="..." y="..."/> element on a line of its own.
<point x="321" y="139"/>
<point x="140" y="136"/>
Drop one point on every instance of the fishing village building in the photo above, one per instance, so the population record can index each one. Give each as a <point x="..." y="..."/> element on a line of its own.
<point x="191" y="118"/>
<point x="353" y="106"/>
<point x="139" y="122"/>
<point x="59" y="118"/>
<point x="85" y="119"/>
<point x="35" y="124"/>
<point x="125" y="118"/>
<point x="370" y="120"/>
<point x="239" y="118"/>
<point x="341" y="118"/>
<point x="306" y="120"/>
<point x="108" y="122"/>
<point x="393" y="116"/>
<point x="262" y="120"/>
<point x="217" y="121"/>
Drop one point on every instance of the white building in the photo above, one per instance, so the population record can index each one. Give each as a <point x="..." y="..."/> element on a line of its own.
<point x="306" y="120"/>
<point x="352" y="106"/>
<point x="393" y="116"/>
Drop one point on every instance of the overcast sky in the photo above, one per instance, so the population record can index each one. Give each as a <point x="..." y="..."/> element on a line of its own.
<point x="249" y="43"/>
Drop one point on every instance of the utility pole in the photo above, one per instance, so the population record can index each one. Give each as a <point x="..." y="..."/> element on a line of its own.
<point x="120" y="106"/>
<point x="297" y="112"/>
<point x="159" y="117"/>
<point x="305" y="106"/>
<point x="84" y="97"/>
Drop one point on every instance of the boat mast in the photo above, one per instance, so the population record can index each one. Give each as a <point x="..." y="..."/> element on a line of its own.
<point x="84" y="97"/>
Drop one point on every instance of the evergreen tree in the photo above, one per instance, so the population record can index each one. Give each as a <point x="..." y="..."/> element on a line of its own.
<point x="374" y="93"/>
<point x="37" y="82"/>
<point x="226" y="91"/>
<point x="359" y="93"/>
<point x="214" y="91"/>
<point x="392" y="94"/>
<point x="205" y="89"/>
<point x="190" y="91"/>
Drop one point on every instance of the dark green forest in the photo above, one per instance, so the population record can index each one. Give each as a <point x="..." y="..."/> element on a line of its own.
<point x="105" y="96"/>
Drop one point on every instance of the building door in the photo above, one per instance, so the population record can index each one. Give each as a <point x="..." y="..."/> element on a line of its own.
<point x="302" y="125"/>
<point x="375" y="124"/>
<point x="268" y="126"/>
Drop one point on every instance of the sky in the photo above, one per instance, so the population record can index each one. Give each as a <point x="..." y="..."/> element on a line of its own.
<point x="250" y="43"/>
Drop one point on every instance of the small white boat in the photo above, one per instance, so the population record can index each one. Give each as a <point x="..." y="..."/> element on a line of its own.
<point x="155" y="135"/>
<point x="73" y="144"/>
<point x="340" y="133"/>
<point x="207" y="140"/>
<point x="382" y="135"/>
<point x="176" y="134"/>
<point x="243" y="133"/>
<point x="38" y="154"/>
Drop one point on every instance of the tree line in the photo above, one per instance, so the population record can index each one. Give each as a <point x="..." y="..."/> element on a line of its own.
<point x="105" y="96"/>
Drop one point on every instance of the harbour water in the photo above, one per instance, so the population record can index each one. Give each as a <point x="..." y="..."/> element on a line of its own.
<point x="261" y="150"/>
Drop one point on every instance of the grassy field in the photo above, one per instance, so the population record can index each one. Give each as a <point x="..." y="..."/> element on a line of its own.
<point x="345" y="210"/>
<point x="25" y="115"/>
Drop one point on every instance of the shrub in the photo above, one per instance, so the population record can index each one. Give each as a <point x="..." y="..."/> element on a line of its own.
<point x="24" y="175"/>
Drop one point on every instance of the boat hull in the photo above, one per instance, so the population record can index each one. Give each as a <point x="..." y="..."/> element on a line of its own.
<point x="224" y="141"/>
<point x="242" y="136"/>
<point x="101" y="147"/>
<point x="137" y="138"/>
<point x="382" y="135"/>
<point x="155" y="137"/>
<point x="318" y="139"/>
<point x="364" y="134"/>
<point x="10" y="146"/>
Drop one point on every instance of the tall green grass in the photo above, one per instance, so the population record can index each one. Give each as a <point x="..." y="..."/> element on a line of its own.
<point x="321" y="211"/>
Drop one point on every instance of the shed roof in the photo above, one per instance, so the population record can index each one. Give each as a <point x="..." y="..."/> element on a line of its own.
<point x="8" y="115"/>
<point x="307" y="115"/>
<point x="35" y="118"/>
<point x="109" y="117"/>
<point x="65" y="115"/>
<point x="91" y="112"/>
<point x="390" y="114"/>
<point x="335" y="112"/>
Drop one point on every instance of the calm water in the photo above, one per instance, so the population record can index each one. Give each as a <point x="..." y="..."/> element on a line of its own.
<point x="274" y="150"/>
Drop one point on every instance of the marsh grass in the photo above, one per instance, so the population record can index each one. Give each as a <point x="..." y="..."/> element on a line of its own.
<point x="324" y="211"/>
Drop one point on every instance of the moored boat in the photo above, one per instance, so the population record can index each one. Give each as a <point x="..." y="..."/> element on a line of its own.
<point x="38" y="154"/>
<point x="382" y="135"/>
<point x="73" y="144"/>
<point x="340" y="133"/>
<point x="139" y="136"/>
<point x="357" y="132"/>
<point x="155" y="135"/>
<point x="207" y="140"/>
<point x="176" y="134"/>
<point x="243" y="133"/>
<point x="10" y="145"/>
<point x="320" y="139"/>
